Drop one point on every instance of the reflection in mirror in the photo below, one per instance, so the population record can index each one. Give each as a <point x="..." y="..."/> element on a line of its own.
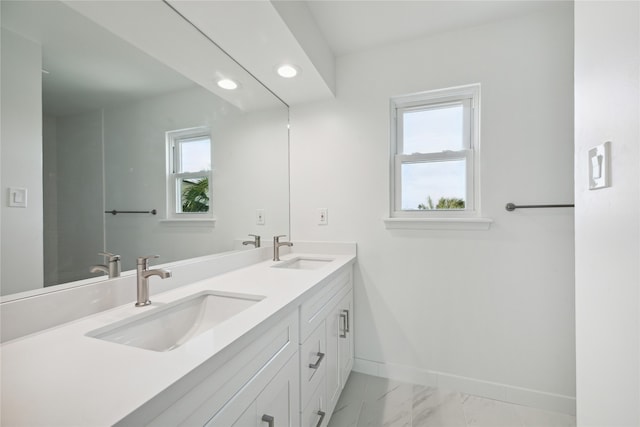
<point x="91" y="124"/>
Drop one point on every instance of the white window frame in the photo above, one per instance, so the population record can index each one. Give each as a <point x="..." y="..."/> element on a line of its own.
<point x="173" y="193"/>
<point x="469" y="97"/>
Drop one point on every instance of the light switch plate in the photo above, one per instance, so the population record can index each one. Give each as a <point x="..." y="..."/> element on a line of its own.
<point x="17" y="197"/>
<point x="600" y="166"/>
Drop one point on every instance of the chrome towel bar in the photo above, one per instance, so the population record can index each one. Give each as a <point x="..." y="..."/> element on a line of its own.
<point x="512" y="207"/>
<point x="115" y="212"/>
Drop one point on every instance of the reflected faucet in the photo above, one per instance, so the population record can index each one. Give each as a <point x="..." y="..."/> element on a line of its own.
<point x="142" y="266"/>
<point x="255" y="242"/>
<point x="112" y="268"/>
<point x="276" y="246"/>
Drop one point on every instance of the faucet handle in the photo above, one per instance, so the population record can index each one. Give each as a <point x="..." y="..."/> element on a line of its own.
<point x="276" y="238"/>
<point x="254" y="235"/>
<point x="144" y="260"/>
<point x="111" y="257"/>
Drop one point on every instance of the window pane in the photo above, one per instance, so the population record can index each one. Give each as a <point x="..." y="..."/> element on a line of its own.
<point x="194" y="194"/>
<point x="194" y="155"/>
<point x="434" y="185"/>
<point x="433" y="130"/>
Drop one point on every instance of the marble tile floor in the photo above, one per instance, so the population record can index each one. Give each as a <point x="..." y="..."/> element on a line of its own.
<point x="368" y="401"/>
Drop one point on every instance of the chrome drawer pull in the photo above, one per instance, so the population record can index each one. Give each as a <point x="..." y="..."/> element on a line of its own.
<point x="268" y="419"/>
<point x="348" y="328"/>
<point x="343" y="327"/>
<point x="322" y="414"/>
<point x="317" y="364"/>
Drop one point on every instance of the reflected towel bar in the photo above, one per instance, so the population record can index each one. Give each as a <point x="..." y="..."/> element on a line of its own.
<point x="512" y="207"/>
<point x="115" y="212"/>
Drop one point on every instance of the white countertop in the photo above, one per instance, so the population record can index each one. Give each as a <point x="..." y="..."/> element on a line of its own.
<point x="61" y="377"/>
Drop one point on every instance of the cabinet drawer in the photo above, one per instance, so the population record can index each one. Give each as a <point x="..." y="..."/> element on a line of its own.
<point x="315" y="413"/>
<point x="277" y="402"/>
<point x="313" y="362"/>
<point x="316" y="308"/>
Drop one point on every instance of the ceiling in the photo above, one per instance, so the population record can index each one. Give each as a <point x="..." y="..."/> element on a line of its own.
<point x="259" y="34"/>
<point x="89" y="72"/>
<point x="354" y="25"/>
<point x="311" y="34"/>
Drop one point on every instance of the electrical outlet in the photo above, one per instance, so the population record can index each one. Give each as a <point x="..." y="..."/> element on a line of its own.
<point x="260" y="217"/>
<point x="323" y="218"/>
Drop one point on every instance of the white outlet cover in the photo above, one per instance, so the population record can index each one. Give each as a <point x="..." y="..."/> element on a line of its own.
<point x="260" y="220"/>
<point x="600" y="166"/>
<point x="323" y="216"/>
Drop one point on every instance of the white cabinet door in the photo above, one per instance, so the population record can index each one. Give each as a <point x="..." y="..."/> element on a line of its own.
<point x="278" y="404"/>
<point x="345" y="343"/>
<point x="339" y="348"/>
<point x="312" y="363"/>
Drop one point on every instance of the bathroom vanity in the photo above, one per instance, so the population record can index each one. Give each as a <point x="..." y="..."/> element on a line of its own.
<point x="269" y="344"/>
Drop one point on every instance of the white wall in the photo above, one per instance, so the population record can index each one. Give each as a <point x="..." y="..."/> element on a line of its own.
<point x="50" y="199"/>
<point x="489" y="312"/>
<point x="21" y="264"/>
<point x="607" y="104"/>
<point x="79" y="205"/>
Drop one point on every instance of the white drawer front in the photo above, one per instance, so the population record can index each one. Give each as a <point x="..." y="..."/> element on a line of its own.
<point x="315" y="413"/>
<point x="313" y="362"/>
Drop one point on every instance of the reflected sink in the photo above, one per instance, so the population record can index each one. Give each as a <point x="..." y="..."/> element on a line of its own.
<point x="304" y="263"/>
<point x="170" y="326"/>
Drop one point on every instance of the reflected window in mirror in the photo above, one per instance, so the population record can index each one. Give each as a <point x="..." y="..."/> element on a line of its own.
<point x="189" y="173"/>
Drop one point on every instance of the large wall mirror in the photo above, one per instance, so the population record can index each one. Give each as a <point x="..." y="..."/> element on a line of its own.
<point x="116" y="106"/>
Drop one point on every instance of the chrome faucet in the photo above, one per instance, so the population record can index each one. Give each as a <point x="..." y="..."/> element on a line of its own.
<point x="144" y="273"/>
<point x="276" y="246"/>
<point x="112" y="268"/>
<point x="255" y="242"/>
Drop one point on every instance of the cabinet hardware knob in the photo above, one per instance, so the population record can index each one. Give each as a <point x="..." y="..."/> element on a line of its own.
<point x="322" y="414"/>
<point x="269" y="420"/>
<point x="317" y="364"/>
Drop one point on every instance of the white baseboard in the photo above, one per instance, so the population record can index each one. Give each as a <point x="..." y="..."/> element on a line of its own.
<point x="503" y="392"/>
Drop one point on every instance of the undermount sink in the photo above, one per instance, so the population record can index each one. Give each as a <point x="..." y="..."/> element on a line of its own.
<point x="169" y="327"/>
<point x="304" y="263"/>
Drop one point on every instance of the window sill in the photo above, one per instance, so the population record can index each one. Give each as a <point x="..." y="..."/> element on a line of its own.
<point x="189" y="222"/>
<point x="437" y="223"/>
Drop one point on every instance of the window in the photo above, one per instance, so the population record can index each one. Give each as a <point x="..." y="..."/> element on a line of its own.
<point x="189" y="173"/>
<point x="434" y="143"/>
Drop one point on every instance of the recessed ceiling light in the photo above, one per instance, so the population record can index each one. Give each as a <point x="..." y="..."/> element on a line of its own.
<point x="288" y="71"/>
<point x="227" y="84"/>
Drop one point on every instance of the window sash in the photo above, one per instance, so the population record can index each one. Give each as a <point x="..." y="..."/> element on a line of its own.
<point x="177" y="150"/>
<point x="467" y="142"/>
<point x="400" y="159"/>
<point x="177" y="190"/>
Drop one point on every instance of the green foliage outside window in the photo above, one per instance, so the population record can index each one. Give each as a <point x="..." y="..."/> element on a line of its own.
<point x="195" y="196"/>
<point x="443" y="203"/>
